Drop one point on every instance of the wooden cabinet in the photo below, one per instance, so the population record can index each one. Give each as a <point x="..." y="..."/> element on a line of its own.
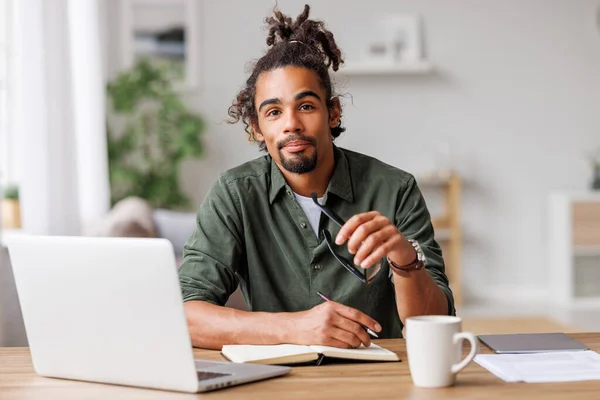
<point x="447" y="225"/>
<point x="574" y="248"/>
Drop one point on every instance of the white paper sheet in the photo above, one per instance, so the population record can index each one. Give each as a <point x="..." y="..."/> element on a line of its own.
<point x="543" y="367"/>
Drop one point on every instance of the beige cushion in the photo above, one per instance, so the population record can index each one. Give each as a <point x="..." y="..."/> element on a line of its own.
<point x="130" y="217"/>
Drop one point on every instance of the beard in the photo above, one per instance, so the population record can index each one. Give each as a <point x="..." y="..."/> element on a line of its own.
<point x="298" y="163"/>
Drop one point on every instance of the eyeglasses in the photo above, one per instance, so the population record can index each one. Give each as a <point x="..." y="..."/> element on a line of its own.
<point x="365" y="275"/>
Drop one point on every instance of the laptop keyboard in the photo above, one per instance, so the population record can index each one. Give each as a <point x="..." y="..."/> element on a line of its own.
<point x="204" y="375"/>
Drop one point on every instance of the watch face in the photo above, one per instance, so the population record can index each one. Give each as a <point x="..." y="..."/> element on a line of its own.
<point x="420" y="254"/>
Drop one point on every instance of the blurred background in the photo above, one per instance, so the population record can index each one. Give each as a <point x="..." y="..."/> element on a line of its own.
<point x="113" y="123"/>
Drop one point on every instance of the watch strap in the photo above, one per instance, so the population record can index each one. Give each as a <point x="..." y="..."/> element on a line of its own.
<point x="413" y="266"/>
<point x="418" y="263"/>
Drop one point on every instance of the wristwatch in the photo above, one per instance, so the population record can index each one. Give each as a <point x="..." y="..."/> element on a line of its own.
<point x="417" y="264"/>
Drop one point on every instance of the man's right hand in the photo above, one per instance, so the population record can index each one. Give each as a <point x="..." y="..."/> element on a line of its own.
<point x="332" y="324"/>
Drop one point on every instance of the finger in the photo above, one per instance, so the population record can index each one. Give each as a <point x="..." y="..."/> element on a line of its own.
<point x="354" y="329"/>
<point x="374" y="240"/>
<point x="358" y="317"/>
<point x="348" y="229"/>
<point x="346" y="337"/>
<point x="362" y="232"/>
<point x="381" y="250"/>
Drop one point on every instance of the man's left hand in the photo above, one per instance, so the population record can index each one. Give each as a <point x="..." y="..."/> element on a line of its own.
<point x="372" y="236"/>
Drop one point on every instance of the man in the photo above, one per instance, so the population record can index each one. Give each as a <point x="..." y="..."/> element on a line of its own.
<point x="259" y="228"/>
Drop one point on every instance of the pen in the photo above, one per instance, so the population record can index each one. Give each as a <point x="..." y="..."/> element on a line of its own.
<point x="369" y="331"/>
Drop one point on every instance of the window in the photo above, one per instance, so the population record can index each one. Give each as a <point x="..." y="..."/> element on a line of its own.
<point x="7" y="161"/>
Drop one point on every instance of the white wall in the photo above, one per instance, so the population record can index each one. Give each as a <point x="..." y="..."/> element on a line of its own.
<point x="515" y="94"/>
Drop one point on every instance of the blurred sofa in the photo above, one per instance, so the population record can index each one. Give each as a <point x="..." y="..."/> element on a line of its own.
<point x="177" y="227"/>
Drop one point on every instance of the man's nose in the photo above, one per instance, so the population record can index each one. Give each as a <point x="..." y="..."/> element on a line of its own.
<point x="292" y="123"/>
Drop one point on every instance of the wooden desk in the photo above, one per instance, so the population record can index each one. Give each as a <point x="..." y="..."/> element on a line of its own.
<point x="350" y="381"/>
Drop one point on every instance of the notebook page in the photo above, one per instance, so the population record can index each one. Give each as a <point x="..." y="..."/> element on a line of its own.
<point x="543" y="367"/>
<point x="241" y="353"/>
<point x="372" y="352"/>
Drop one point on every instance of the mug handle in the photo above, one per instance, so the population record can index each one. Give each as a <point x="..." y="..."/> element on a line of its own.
<point x="458" y="338"/>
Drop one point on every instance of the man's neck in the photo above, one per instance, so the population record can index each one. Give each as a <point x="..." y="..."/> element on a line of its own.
<point x="315" y="181"/>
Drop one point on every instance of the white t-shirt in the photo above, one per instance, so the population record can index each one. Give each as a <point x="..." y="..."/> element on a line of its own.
<point x="313" y="213"/>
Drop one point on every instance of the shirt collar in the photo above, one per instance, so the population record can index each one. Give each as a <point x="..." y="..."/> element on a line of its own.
<point x="340" y="183"/>
<point x="278" y="182"/>
<point x="341" y="180"/>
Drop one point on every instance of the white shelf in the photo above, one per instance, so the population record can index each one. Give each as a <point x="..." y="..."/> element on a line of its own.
<point x="573" y="250"/>
<point x="364" y="68"/>
<point x="583" y="195"/>
<point x="589" y="251"/>
<point x="585" y="302"/>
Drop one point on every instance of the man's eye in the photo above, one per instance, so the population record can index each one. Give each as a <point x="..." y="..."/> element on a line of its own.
<point x="306" y="107"/>
<point x="273" y="113"/>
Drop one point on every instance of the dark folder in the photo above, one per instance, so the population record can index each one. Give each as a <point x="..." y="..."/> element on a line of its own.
<point x="531" y="343"/>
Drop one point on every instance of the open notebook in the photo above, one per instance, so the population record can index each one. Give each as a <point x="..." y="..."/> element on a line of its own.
<point x="293" y="354"/>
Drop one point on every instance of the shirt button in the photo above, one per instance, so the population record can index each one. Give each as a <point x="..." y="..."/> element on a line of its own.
<point x="317" y="266"/>
<point x="303" y="225"/>
<point x="288" y="193"/>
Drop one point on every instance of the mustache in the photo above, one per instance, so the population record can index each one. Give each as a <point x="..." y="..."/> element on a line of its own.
<point x="291" y="138"/>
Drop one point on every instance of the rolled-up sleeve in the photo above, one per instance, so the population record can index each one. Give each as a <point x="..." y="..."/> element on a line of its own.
<point x="214" y="254"/>
<point x="414" y="221"/>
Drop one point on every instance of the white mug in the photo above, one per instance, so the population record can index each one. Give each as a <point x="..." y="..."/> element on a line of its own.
<point x="434" y="348"/>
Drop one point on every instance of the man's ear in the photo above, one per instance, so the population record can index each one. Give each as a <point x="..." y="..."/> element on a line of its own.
<point x="335" y="113"/>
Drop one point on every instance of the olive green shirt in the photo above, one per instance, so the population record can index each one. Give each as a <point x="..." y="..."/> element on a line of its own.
<point x="252" y="232"/>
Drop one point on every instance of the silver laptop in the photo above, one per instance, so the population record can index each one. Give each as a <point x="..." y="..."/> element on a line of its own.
<point x="518" y="343"/>
<point x="110" y="310"/>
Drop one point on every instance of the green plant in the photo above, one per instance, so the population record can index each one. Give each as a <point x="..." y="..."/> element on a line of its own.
<point x="595" y="161"/>
<point x="150" y="131"/>
<point x="11" y="192"/>
<point x="594" y="157"/>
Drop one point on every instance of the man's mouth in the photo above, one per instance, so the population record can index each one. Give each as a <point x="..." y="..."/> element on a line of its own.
<point x="296" y="146"/>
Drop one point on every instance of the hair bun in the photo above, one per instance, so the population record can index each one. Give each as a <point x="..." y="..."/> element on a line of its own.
<point x="306" y="31"/>
<point x="281" y="27"/>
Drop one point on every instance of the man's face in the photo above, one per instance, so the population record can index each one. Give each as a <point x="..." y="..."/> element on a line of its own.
<point x="293" y="119"/>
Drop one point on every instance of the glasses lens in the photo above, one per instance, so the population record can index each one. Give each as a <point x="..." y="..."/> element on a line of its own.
<point x="372" y="271"/>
